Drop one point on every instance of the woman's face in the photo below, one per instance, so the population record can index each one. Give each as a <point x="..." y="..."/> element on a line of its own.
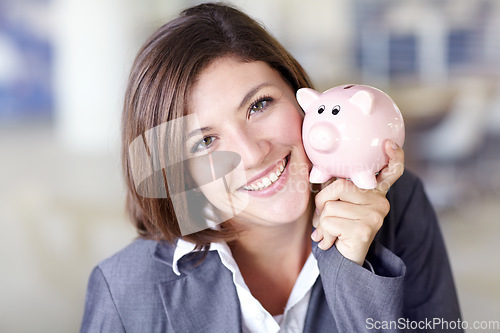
<point x="247" y="109"/>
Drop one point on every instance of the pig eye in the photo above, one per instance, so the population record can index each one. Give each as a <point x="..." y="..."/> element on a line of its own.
<point x="336" y="110"/>
<point x="321" y="109"/>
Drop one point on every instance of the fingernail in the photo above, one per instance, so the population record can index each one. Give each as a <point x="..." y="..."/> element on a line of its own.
<point x="394" y="145"/>
<point x="320" y="245"/>
<point x="313" y="235"/>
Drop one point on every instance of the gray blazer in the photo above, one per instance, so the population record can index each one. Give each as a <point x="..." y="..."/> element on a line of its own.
<point x="137" y="291"/>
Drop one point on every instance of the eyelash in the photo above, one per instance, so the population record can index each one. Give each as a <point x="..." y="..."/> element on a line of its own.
<point x="266" y="99"/>
<point x="195" y="148"/>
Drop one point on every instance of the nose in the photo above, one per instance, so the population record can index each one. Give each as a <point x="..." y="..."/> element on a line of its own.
<point x="252" y="148"/>
<point x="324" y="137"/>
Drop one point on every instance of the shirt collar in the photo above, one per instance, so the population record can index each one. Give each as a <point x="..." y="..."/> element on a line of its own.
<point x="184" y="247"/>
<point x="251" y="308"/>
<point x="181" y="249"/>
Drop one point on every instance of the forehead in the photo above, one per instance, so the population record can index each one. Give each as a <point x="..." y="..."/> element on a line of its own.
<point x="228" y="79"/>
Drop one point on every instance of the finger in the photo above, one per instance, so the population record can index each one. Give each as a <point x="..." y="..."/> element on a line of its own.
<point x="316" y="218"/>
<point x="331" y="229"/>
<point x="327" y="242"/>
<point x="317" y="234"/>
<point x="372" y="214"/>
<point x="347" y="230"/>
<point x="394" y="169"/>
<point x="340" y="189"/>
<point x="344" y="190"/>
<point x="343" y="209"/>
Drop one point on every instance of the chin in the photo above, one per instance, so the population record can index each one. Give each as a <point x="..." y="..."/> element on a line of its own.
<point x="276" y="212"/>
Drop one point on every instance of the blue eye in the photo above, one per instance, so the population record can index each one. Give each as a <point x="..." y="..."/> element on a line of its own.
<point x="202" y="144"/>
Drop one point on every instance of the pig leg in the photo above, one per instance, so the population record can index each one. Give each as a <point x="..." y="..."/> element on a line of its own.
<point x="318" y="177"/>
<point x="364" y="179"/>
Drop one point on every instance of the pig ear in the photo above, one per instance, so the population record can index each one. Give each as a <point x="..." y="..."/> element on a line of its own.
<point x="363" y="99"/>
<point x="305" y="96"/>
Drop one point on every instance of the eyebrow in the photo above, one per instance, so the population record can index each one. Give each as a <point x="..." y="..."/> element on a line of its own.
<point x="244" y="101"/>
<point x="252" y="92"/>
<point x="198" y="131"/>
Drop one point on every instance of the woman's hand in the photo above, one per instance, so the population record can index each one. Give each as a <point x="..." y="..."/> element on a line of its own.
<point x="348" y="216"/>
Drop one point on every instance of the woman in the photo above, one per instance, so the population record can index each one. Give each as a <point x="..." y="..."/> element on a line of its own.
<point x="218" y="189"/>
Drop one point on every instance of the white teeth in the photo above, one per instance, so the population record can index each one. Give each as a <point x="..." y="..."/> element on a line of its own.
<point x="282" y="166"/>
<point x="267" y="180"/>
<point x="273" y="177"/>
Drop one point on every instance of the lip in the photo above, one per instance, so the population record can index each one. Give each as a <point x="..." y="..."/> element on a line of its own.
<point x="267" y="171"/>
<point x="274" y="187"/>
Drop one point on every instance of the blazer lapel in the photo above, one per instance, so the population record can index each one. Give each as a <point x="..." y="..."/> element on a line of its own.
<point x="203" y="298"/>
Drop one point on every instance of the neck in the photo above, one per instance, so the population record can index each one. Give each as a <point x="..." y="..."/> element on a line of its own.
<point x="260" y="244"/>
<point x="270" y="259"/>
<point x="270" y="244"/>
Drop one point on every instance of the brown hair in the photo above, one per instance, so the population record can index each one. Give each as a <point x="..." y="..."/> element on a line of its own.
<point x="163" y="72"/>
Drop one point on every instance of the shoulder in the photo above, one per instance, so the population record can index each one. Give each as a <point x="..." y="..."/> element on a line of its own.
<point x="139" y="261"/>
<point x="123" y="289"/>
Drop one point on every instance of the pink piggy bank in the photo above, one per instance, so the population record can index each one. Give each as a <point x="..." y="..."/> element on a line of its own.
<point x="344" y="132"/>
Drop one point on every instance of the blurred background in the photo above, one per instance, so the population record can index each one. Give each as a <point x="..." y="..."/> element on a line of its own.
<point x="63" y="70"/>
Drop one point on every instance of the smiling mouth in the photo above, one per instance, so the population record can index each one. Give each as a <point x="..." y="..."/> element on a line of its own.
<point x="266" y="181"/>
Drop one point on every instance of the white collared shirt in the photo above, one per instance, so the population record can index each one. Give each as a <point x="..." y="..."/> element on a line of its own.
<point x="254" y="317"/>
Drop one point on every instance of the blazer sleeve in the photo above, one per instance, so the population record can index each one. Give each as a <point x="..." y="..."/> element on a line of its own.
<point x="429" y="289"/>
<point x="408" y="280"/>
<point x="100" y="313"/>
<point x="359" y="296"/>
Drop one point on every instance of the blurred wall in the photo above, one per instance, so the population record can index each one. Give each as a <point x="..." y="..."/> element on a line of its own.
<point x="61" y="191"/>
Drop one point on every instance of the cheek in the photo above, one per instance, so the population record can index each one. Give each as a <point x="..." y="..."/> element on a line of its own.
<point x="288" y="128"/>
<point x="217" y="176"/>
<point x="221" y="196"/>
<point x="215" y="165"/>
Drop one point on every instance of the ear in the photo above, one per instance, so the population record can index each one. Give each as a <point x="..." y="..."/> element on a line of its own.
<point x="363" y="99"/>
<point x="305" y="96"/>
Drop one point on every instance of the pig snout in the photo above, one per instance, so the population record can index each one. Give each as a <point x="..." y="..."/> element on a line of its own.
<point x="324" y="137"/>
